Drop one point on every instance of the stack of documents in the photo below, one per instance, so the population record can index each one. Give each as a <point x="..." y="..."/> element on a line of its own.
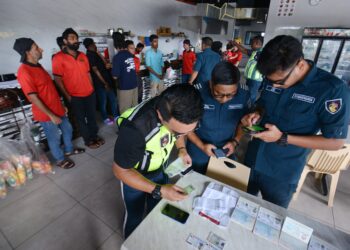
<point x="268" y="225"/>
<point x="245" y="213"/>
<point x="216" y="203"/>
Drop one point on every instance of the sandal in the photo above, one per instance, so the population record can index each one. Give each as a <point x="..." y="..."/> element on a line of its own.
<point x="75" y="151"/>
<point x="100" y="141"/>
<point x="93" y="145"/>
<point x="66" y="164"/>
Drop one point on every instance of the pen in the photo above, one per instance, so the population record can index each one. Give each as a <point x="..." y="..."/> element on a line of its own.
<point x="209" y="218"/>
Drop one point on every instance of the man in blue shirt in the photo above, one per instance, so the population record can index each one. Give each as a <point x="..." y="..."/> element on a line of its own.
<point x="298" y="101"/>
<point x="124" y="71"/>
<point x="225" y="103"/>
<point x="155" y="64"/>
<point x="205" y="63"/>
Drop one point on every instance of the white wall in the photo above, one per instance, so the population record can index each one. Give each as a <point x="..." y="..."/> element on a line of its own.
<point x="328" y="13"/>
<point x="44" y="20"/>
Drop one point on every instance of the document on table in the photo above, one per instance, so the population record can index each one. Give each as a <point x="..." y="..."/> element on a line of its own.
<point x="268" y="225"/>
<point x="318" y="244"/>
<point x="245" y="213"/>
<point x="176" y="167"/>
<point x="295" y="235"/>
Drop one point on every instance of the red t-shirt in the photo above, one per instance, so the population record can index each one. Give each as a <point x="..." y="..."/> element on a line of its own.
<point x="34" y="79"/>
<point x="75" y="73"/>
<point x="137" y="64"/>
<point x="229" y="54"/>
<point x="188" y="59"/>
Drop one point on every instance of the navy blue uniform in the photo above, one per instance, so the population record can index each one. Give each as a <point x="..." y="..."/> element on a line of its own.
<point x="318" y="103"/>
<point x="218" y="124"/>
<point x="205" y="64"/>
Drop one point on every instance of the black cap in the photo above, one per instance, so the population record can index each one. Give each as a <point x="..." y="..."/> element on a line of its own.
<point x="87" y="42"/>
<point x="22" y="45"/>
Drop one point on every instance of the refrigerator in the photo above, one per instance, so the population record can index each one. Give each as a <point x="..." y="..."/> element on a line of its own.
<point x="329" y="49"/>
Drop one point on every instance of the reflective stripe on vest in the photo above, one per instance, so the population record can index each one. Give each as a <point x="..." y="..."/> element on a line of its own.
<point x="155" y="155"/>
<point x="250" y="71"/>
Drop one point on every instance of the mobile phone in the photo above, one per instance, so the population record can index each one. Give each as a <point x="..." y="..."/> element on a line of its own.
<point x="175" y="213"/>
<point x="219" y="153"/>
<point x="254" y="129"/>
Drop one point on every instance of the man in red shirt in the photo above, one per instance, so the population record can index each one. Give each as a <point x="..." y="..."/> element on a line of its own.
<point x="188" y="59"/>
<point x="47" y="108"/>
<point x="71" y="70"/>
<point x="232" y="54"/>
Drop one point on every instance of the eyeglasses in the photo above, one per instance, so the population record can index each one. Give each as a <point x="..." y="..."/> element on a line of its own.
<point x="222" y="96"/>
<point x="178" y="135"/>
<point x="282" y="81"/>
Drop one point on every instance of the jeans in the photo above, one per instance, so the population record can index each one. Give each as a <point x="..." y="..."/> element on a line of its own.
<point x="103" y="94"/>
<point x="272" y="190"/>
<point x="53" y="136"/>
<point x="84" y="110"/>
<point x="185" y="78"/>
<point x="135" y="200"/>
<point x="253" y="87"/>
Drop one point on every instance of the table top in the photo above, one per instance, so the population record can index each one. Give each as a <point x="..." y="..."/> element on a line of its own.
<point x="161" y="232"/>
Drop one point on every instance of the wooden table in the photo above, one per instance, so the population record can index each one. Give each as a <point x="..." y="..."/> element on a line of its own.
<point x="160" y="232"/>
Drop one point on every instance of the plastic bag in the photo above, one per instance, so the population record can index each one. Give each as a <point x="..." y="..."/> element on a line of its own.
<point x="10" y="174"/>
<point x="3" y="189"/>
<point x="170" y="74"/>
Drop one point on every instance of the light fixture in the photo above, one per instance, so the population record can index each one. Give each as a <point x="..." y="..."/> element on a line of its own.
<point x="314" y="2"/>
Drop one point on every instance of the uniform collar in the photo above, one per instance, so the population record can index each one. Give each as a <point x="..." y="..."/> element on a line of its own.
<point x="32" y="64"/>
<point x="311" y="74"/>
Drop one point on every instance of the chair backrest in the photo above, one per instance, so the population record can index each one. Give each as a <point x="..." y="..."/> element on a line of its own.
<point x="327" y="161"/>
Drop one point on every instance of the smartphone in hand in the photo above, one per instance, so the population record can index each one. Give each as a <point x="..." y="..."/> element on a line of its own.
<point x="254" y="129"/>
<point x="219" y="153"/>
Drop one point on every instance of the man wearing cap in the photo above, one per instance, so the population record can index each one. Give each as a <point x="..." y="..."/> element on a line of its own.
<point x="71" y="70"/>
<point x="47" y="108"/>
<point x="102" y="79"/>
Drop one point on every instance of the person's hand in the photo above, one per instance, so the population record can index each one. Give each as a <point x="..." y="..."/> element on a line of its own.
<point x="272" y="134"/>
<point x="231" y="146"/>
<point x="172" y="192"/>
<point x="208" y="149"/>
<point x="55" y="119"/>
<point x="65" y="109"/>
<point x="108" y="65"/>
<point x="186" y="158"/>
<point x="250" y="119"/>
<point x="69" y="98"/>
<point x="160" y="77"/>
<point x="106" y="85"/>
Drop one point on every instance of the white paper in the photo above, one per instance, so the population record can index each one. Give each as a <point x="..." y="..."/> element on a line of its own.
<point x="268" y="225"/>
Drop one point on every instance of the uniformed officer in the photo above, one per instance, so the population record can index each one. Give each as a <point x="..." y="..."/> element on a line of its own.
<point x="251" y="73"/>
<point x="298" y="101"/>
<point x="146" y="137"/>
<point x="225" y="103"/>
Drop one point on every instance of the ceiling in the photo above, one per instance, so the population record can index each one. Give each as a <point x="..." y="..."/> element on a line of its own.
<point x="240" y="3"/>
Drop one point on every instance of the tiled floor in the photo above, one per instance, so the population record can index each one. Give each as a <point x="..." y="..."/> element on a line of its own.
<point x="81" y="208"/>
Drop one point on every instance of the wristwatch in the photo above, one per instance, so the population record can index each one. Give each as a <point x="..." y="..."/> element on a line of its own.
<point x="283" y="141"/>
<point x="156" y="194"/>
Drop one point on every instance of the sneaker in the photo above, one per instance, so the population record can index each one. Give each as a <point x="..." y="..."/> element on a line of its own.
<point x="108" y="122"/>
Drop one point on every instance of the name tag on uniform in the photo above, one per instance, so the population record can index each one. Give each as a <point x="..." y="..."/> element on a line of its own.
<point x="209" y="106"/>
<point x="235" y="106"/>
<point x="303" y="98"/>
<point x="273" y="89"/>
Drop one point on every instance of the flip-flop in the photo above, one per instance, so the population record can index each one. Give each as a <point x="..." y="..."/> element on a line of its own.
<point x="100" y="141"/>
<point x="66" y="164"/>
<point x="75" y="151"/>
<point x="93" y="145"/>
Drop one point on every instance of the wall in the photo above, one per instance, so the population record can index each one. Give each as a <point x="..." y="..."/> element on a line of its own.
<point x="328" y="13"/>
<point x="45" y="20"/>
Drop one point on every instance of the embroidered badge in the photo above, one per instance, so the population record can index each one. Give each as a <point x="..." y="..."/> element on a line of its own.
<point x="303" y="98"/>
<point x="164" y="140"/>
<point x="333" y="106"/>
<point x="235" y="106"/>
<point x="209" y="106"/>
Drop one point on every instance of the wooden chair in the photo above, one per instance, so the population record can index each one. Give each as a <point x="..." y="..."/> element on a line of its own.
<point x="326" y="162"/>
<point x="229" y="172"/>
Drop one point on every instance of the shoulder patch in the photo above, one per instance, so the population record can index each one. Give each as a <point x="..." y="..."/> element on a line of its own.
<point x="333" y="106"/>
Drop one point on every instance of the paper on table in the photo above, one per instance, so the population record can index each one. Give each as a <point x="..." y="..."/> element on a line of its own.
<point x="295" y="235"/>
<point x="176" y="167"/>
<point x="318" y="244"/>
<point x="268" y="225"/>
<point x="245" y="213"/>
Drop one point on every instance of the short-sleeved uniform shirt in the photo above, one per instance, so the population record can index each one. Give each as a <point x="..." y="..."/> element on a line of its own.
<point x="154" y="59"/>
<point x="95" y="60"/>
<point x="318" y="103"/>
<point x="124" y="69"/>
<point x="75" y="73"/>
<point x="34" y="79"/>
<point x="205" y="64"/>
<point x="219" y="121"/>
<point x="188" y="59"/>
